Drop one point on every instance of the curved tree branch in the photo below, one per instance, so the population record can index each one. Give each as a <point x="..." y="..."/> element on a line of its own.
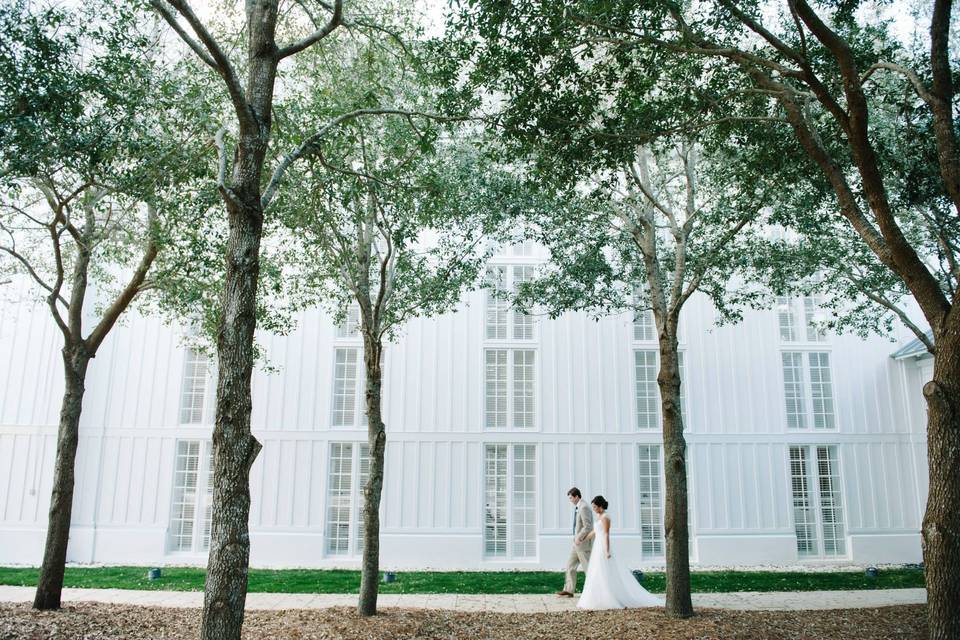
<point x="134" y="287"/>
<point x="210" y="53"/>
<point x="309" y="145"/>
<point x="316" y="36"/>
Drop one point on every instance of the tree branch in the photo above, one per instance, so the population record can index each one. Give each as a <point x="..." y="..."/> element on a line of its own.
<point x="60" y="271"/>
<point x="123" y="300"/>
<point x="33" y="274"/>
<point x="883" y="301"/>
<point x="761" y="31"/>
<point x="642" y="181"/>
<point x="213" y="56"/>
<point x="161" y="8"/>
<point x="317" y="35"/>
<point x="701" y="271"/>
<point x="222" y="187"/>
<point x="310" y="145"/>
<point x="909" y="74"/>
<point x="942" y="92"/>
<point x="349" y="23"/>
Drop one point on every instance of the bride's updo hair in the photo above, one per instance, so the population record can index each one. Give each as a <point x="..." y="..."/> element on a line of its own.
<point x="601" y="502"/>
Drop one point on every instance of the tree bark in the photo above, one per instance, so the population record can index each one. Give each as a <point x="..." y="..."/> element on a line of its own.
<point x="50" y="586"/>
<point x="234" y="447"/>
<point x="941" y="522"/>
<point x="373" y="490"/>
<point x="676" y="512"/>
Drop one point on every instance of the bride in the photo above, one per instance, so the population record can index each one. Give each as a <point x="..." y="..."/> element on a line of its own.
<point x="610" y="584"/>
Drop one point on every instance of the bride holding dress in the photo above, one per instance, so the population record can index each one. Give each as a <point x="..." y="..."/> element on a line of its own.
<point x="610" y="583"/>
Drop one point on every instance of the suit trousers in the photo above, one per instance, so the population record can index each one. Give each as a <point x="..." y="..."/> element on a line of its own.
<point x="579" y="556"/>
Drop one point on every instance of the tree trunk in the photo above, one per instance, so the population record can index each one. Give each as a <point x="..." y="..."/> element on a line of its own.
<point x="676" y="516"/>
<point x="234" y="447"/>
<point x="50" y="586"/>
<point x="373" y="490"/>
<point x="941" y="522"/>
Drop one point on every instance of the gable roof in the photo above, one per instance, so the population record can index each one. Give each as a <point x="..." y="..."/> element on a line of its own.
<point x="913" y="349"/>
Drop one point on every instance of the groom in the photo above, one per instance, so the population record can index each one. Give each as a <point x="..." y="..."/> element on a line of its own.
<point x="580" y="553"/>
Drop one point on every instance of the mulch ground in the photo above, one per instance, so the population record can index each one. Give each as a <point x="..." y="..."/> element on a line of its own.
<point x="95" y="621"/>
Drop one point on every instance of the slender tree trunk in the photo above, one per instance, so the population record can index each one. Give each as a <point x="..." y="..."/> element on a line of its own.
<point x="676" y="513"/>
<point x="75" y="361"/>
<point x="941" y="522"/>
<point x="234" y="447"/>
<point x="373" y="490"/>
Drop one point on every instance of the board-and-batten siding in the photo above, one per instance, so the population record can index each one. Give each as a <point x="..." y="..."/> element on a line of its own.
<point x="433" y="404"/>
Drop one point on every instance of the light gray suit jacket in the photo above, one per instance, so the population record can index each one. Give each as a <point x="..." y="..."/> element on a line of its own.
<point x="584" y="525"/>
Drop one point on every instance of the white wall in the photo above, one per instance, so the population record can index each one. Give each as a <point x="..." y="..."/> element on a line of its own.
<point x="739" y="479"/>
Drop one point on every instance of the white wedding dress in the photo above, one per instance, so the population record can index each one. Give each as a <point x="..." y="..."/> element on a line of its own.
<point x="610" y="583"/>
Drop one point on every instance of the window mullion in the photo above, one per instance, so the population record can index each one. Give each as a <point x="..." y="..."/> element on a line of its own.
<point x="656" y="384"/>
<point x="511" y="525"/>
<point x="199" y="514"/>
<point x="361" y="375"/>
<point x="508" y="286"/>
<point x="354" y="506"/>
<point x="511" y="358"/>
<point x="198" y="510"/>
<point x="814" y="469"/>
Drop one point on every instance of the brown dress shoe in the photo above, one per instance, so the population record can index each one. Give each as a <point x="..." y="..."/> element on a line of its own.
<point x="564" y="594"/>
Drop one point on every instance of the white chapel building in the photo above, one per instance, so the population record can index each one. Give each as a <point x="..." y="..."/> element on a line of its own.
<point x="804" y="447"/>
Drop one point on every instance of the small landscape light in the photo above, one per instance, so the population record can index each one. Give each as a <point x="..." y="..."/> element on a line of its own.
<point x="389" y="576"/>
<point x="153" y="574"/>
<point x="638" y="575"/>
<point x="872" y="572"/>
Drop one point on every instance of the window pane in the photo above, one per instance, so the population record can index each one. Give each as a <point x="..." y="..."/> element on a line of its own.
<point x="495" y="500"/>
<point x="344" y="386"/>
<point x="821" y="390"/>
<point x="831" y="509"/>
<point x="497" y="306"/>
<point x="207" y="501"/>
<point x="644" y="327"/>
<point x="651" y="502"/>
<point x="184" y="508"/>
<point x="362" y="477"/>
<point x="350" y="327"/>
<point x="523" y="389"/>
<point x="339" y="480"/>
<point x="523" y="513"/>
<point x="803" y="515"/>
<point x="522" y="322"/>
<point x="495" y="377"/>
<point x="683" y="388"/>
<point x="811" y="310"/>
<point x="648" y="414"/>
<point x="194" y="387"/>
<point x="788" y="330"/>
<point x="793" y="390"/>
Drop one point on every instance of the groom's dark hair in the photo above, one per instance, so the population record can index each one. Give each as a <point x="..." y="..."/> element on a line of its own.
<point x="574" y="492"/>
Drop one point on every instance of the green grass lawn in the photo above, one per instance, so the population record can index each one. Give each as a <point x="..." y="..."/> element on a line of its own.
<point x="337" y="581"/>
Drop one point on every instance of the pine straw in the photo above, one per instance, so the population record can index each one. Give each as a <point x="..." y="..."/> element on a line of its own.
<point x="96" y="621"/>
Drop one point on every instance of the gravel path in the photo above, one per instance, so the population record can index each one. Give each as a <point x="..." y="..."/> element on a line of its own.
<point x="526" y="603"/>
<point x="99" y="621"/>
